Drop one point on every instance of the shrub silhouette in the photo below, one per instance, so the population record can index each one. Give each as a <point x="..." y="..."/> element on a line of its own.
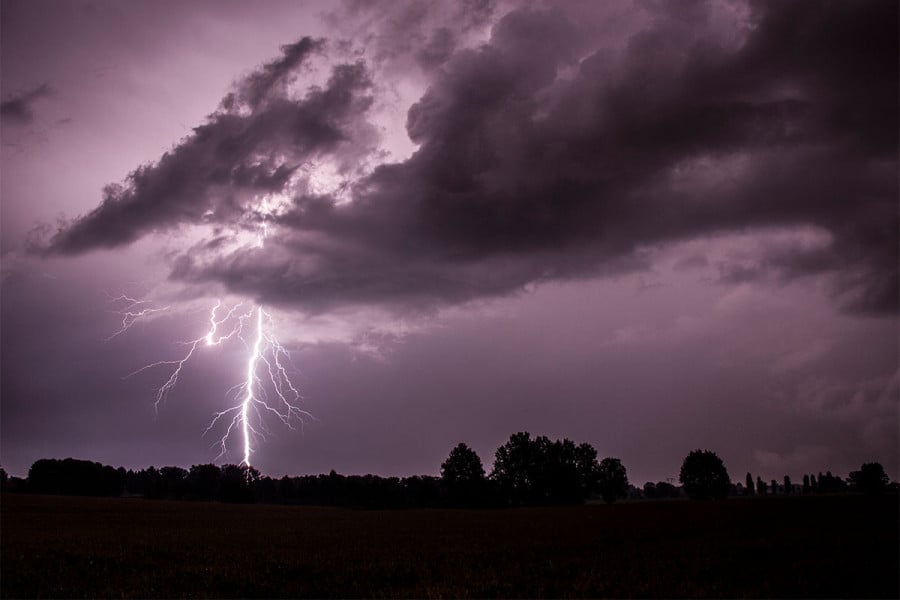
<point x="703" y="476"/>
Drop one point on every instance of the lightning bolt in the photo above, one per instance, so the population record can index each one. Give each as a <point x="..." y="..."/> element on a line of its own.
<point x="131" y="312"/>
<point x="249" y="398"/>
<point x="272" y="393"/>
<point x="210" y="340"/>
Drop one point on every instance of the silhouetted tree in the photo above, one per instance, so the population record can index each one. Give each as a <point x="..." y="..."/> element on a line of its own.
<point x="806" y="487"/>
<point x="660" y="489"/>
<point x="556" y="478"/>
<point x="774" y="487"/>
<point x="150" y="482"/>
<point x="463" y="476"/>
<point x="424" y="490"/>
<point x="4" y="479"/>
<point x="514" y="466"/>
<point x="613" y="480"/>
<point x="749" y="487"/>
<point x="667" y="490"/>
<point x="174" y="482"/>
<point x="788" y="486"/>
<point x="538" y="471"/>
<point x="814" y="483"/>
<point x="286" y="490"/>
<point x="75" y="477"/>
<point x="203" y="481"/>
<point x="634" y="492"/>
<point x="587" y="469"/>
<point x="264" y="489"/>
<point x="870" y="479"/>
<point x="761" y="487"/>
<point x="236" y="483"/>
<point x="462" y="466"/>
<point x="829" y="484"/>
<point x="703" y="476"/>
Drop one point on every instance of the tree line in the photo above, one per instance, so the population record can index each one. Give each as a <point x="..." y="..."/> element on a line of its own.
<point x="527" y="471"/>
<point x="870" y="476"/>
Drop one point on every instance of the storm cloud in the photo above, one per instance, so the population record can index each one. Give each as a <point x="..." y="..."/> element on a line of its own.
<point x="546" y="152"/>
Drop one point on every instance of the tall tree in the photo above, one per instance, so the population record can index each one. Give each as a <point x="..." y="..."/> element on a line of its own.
<point x="514" y="467"/>
<point x="613" y="480"/>
<point x="463" y="476"/>
<point x="750" y="490"/>
<point x="588" y="469"/>
<point x="463" y="465"/>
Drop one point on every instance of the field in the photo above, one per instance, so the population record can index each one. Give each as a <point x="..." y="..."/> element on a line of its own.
<point x="843" y="546"/>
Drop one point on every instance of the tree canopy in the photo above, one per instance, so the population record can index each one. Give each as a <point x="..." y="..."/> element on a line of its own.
<point x="612" y="480"/>
<point x="462" y="475"/>
<point x="704" y="476"/>
<point x="870" y="479"/>
<point x="541" y="471"/>
<point x="462" y="466"/>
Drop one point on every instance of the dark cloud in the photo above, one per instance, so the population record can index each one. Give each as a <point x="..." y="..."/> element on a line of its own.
<point x="270" y="80"/>
<point x="19" y="110"/>
<point x="545" y="153"/>
<point x="252" y="145"/>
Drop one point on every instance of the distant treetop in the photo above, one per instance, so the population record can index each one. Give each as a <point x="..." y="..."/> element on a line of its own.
<point x="704" y="476"/>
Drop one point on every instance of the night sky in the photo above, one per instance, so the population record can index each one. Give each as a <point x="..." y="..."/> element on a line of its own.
<point x="650" y="226"/>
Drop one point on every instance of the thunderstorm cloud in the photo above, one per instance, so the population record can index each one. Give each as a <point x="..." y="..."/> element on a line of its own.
<point x="542" y="151"/>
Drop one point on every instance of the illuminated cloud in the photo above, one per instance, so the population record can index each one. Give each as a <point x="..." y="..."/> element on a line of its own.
<point x="541" y="156"/>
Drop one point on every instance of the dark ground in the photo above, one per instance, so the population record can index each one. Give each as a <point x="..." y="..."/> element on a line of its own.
<point x="841" y="546"/>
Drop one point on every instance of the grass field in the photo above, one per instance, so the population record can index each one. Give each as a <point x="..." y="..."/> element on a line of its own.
<point x="768" y="547"/>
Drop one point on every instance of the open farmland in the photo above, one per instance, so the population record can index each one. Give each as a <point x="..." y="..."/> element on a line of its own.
<point x="841" y="546"/>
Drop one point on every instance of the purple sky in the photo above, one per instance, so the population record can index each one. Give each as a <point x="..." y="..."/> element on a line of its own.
<point x="652" y="227"/>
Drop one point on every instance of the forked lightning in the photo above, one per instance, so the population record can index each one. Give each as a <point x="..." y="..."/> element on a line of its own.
<point x="257" y="396"/>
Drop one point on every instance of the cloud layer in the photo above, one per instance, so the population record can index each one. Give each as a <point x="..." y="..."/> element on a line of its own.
<point x="546" y="152"/>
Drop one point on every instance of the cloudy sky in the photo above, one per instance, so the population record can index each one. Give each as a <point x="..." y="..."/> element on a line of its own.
<point x="645" y="225"/>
